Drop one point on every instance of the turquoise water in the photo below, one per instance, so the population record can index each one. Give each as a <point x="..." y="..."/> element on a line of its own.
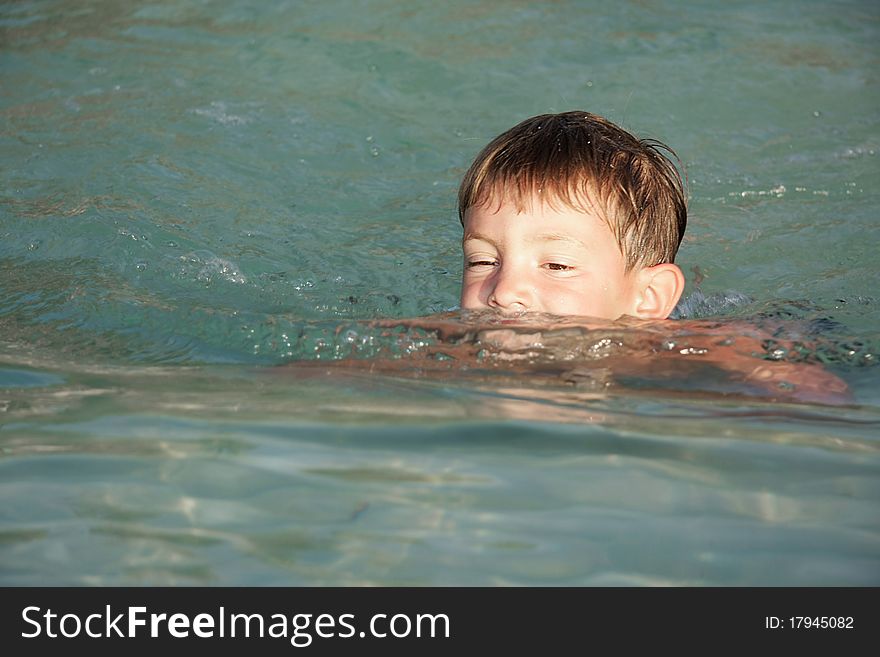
<point x="194" y="193"/>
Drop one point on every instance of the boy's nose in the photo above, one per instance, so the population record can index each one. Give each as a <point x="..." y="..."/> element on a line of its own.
<point x="511" y="292"/>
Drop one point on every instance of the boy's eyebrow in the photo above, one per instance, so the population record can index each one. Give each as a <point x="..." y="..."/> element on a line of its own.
<point x="542" y="237"/>
<point x="478" y="236"/>
<point x="559" y="237"/>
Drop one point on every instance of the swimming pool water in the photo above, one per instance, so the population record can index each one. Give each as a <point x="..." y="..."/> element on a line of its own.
<point x="195" y="193"/>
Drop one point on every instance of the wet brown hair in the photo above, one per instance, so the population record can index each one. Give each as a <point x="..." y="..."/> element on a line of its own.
<point x="588" y="164"/>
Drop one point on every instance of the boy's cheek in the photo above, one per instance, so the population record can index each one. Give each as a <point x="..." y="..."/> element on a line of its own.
<point x="470" y="294"/>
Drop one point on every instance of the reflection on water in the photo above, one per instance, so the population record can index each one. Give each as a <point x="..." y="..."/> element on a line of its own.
<point x="567" y="358"/>
<point x="338" y="481"/>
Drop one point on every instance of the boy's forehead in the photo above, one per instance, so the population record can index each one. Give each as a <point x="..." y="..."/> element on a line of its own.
<point x="585" y="198"/>
<point x="539" y="203"/>
<point x="544" y="237"/>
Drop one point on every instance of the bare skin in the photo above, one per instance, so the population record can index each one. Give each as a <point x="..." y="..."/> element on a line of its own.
<point x="556" y="259"/>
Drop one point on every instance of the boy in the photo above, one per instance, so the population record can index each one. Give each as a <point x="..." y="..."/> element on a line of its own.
<point x="569" y="214"/>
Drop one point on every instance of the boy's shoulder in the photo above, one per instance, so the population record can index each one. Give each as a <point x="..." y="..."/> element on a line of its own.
<point x="692" y="358"/>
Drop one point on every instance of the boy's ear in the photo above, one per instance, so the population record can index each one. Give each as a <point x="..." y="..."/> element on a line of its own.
<point x="660" y="288"/>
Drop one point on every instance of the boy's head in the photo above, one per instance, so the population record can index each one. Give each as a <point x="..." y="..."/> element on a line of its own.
<point x="570" y="214"/>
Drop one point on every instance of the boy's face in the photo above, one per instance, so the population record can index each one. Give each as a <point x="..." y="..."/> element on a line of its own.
<point x="560" y="261"/>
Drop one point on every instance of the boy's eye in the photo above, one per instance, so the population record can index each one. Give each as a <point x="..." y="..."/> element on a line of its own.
<point x="481" y="263"/>
<point x="558" y="266"/>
